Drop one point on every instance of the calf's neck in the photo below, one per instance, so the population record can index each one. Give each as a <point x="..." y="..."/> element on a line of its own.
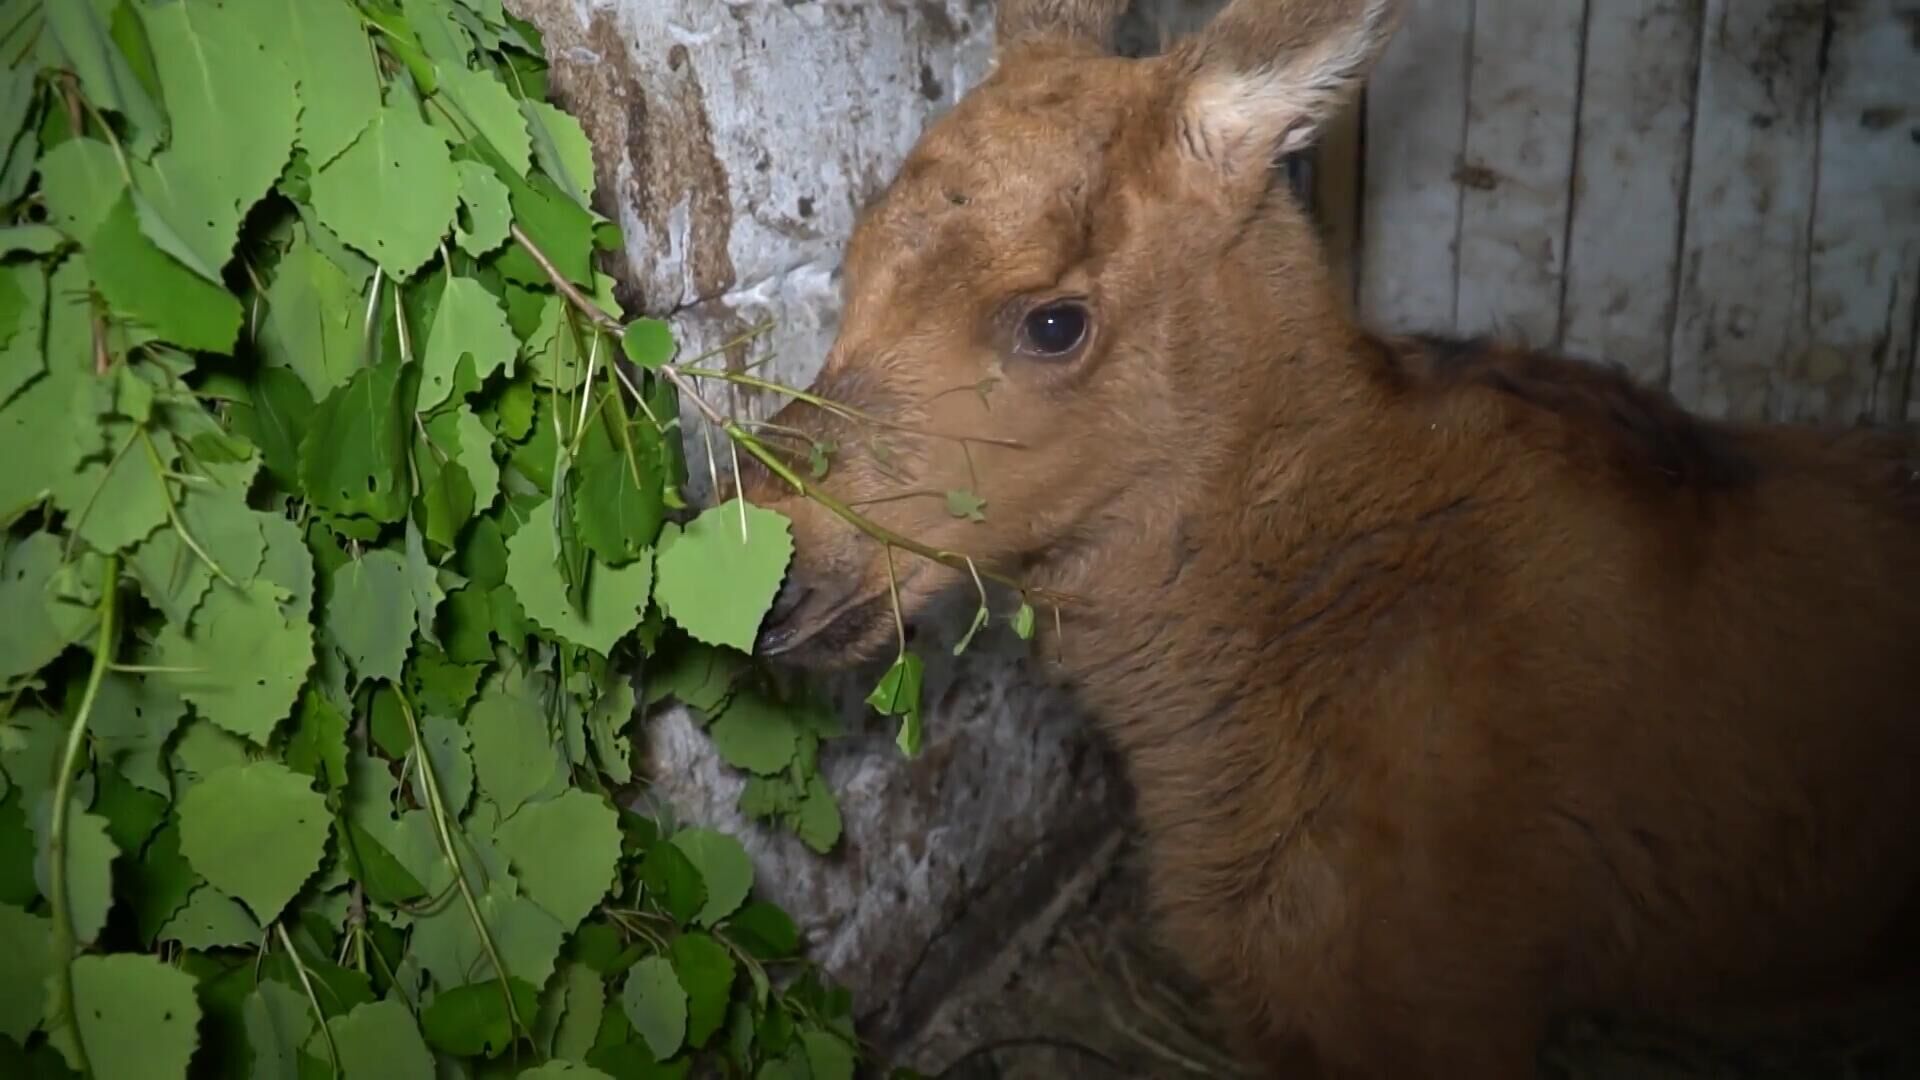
<point x="1461" y="684"/>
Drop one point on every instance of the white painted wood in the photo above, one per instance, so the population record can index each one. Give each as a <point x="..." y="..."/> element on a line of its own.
<point x="1523" y="93"/>
<point x="1415" y="114"/>
<point x="1864" y="274"/>
<point x="1630" y="182"/>
<point x="1742" y="316"/>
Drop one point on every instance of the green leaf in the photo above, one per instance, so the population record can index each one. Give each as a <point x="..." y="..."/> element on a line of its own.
<point x="174" y="577"/>
<point x="315" y="319"/>
<point x="513" y="751"/>
<point x="755" y="733"/>
<point x="138" y="1016"/>
<point x="470" y="322"/>
<point x="212" y="920"/>
<point x="151" y="288"/>
<point x="564" y="1070"/>
<point x="132" y="719"/>
<point x="828" y="1056"/>
<point x="472" y="1020"/>
<point x="724" y="869"/>
<point x="490" y="113"/>
<point x="378" y="1040"/>
<point x="818" y="819"/>
<point x="90" y="855"/>
<point x="715" y="582"/>
<point x="30" y="239"/>
<point x="278" y="1021"/>
<point x="962" y="503"/>
<point x="369" y="862"/>
<point x="606" y="723"/>
<point x="656" y="1006"/>
<point x="274" y="418"/>
<point x="476" y="458"/>
<point x="159" y="883"/>
<point x="243" y="661"/>
<point x="23" y="993"/>
<point x="353" y="459"/>
<point x="105" y="76"/>
<point x="706" y="971"/>
<point x="648" y="343"/>
<point x="391" y="194"/>
<point x="257" y="832"/>
<point x="231" y="136"/>
<point x="585" y="1000"/>
<point x="1023" y="622"/>
<point x="673" y="881"/>
<point x="619" y="505"/>
<point x="486" y="213"/>
<point x="566" y="851"/>
<point x="318" y="745"/>
<point x="339" y="88"/>
<point x="118" y="495"/>
<point x="614" y="595"/>
<point x="898" y="694"/>
<point x="699" y="675"/>
<point x="22" y="359"/>
<point x="528" y="939"/>
<point x="555" y="222"/>
<point x="132" y="814"/>
<point x="765" y="931"/>
<point x="370" y="614"/>
<point x="562" y="148"/>
<point x="446" y="742"/>
<point x="41" y="620"/>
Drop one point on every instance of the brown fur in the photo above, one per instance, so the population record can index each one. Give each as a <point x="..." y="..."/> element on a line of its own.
<point x="1461" y="684"/>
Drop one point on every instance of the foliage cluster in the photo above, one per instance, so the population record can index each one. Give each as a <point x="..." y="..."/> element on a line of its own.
<point x="329" y="526"/>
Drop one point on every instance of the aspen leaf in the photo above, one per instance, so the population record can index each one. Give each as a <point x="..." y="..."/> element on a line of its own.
<point x="256" y="831"/>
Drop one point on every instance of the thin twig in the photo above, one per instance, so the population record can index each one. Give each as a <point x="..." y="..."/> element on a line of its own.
<point x="437" y="810"/>
<point x="65" y="941"/>
<point x="313" y="999"/>
<point x="756" y="448"/>
<point x="173" y="513"/>
<point x="844" y="411"/>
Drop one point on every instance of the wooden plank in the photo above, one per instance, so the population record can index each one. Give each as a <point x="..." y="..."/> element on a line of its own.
<point x="1742" y="303"/>
<point x="1336" y="197"/>
<point x="1516" y="176"/>
<point x="1630" y="182"/>
<point x="1416" y="108"/>
<point x="1864" y="276"/>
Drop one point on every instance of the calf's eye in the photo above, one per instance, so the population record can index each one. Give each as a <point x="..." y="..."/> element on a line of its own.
<point x="1053" y="330"/>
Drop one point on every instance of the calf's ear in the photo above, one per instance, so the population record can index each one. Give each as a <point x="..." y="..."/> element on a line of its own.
<point x="1265" y="76"/>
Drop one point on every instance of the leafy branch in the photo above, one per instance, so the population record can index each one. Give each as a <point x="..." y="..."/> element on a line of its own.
<point x="682" y="380"/>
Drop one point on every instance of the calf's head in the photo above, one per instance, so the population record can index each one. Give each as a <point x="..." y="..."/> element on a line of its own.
<point x="1069" y="268"/>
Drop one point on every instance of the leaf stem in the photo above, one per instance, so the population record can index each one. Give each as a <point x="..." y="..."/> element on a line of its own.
<point x="313" y="999"/>
<point x="437" y="809"/>
<point x="893" y="593"/>
<point x="65" y="942"/>
<point x="173" y="512"/>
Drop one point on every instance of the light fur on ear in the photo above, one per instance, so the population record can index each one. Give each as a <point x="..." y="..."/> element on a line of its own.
<point x="1266" y="75"/>
<point x="1086" y="22"/>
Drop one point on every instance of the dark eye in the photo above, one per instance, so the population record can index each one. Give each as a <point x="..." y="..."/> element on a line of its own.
<point x="1054" y="329"/>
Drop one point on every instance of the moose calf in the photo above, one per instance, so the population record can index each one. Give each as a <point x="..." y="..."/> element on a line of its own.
<point x="1461" y="685"/>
